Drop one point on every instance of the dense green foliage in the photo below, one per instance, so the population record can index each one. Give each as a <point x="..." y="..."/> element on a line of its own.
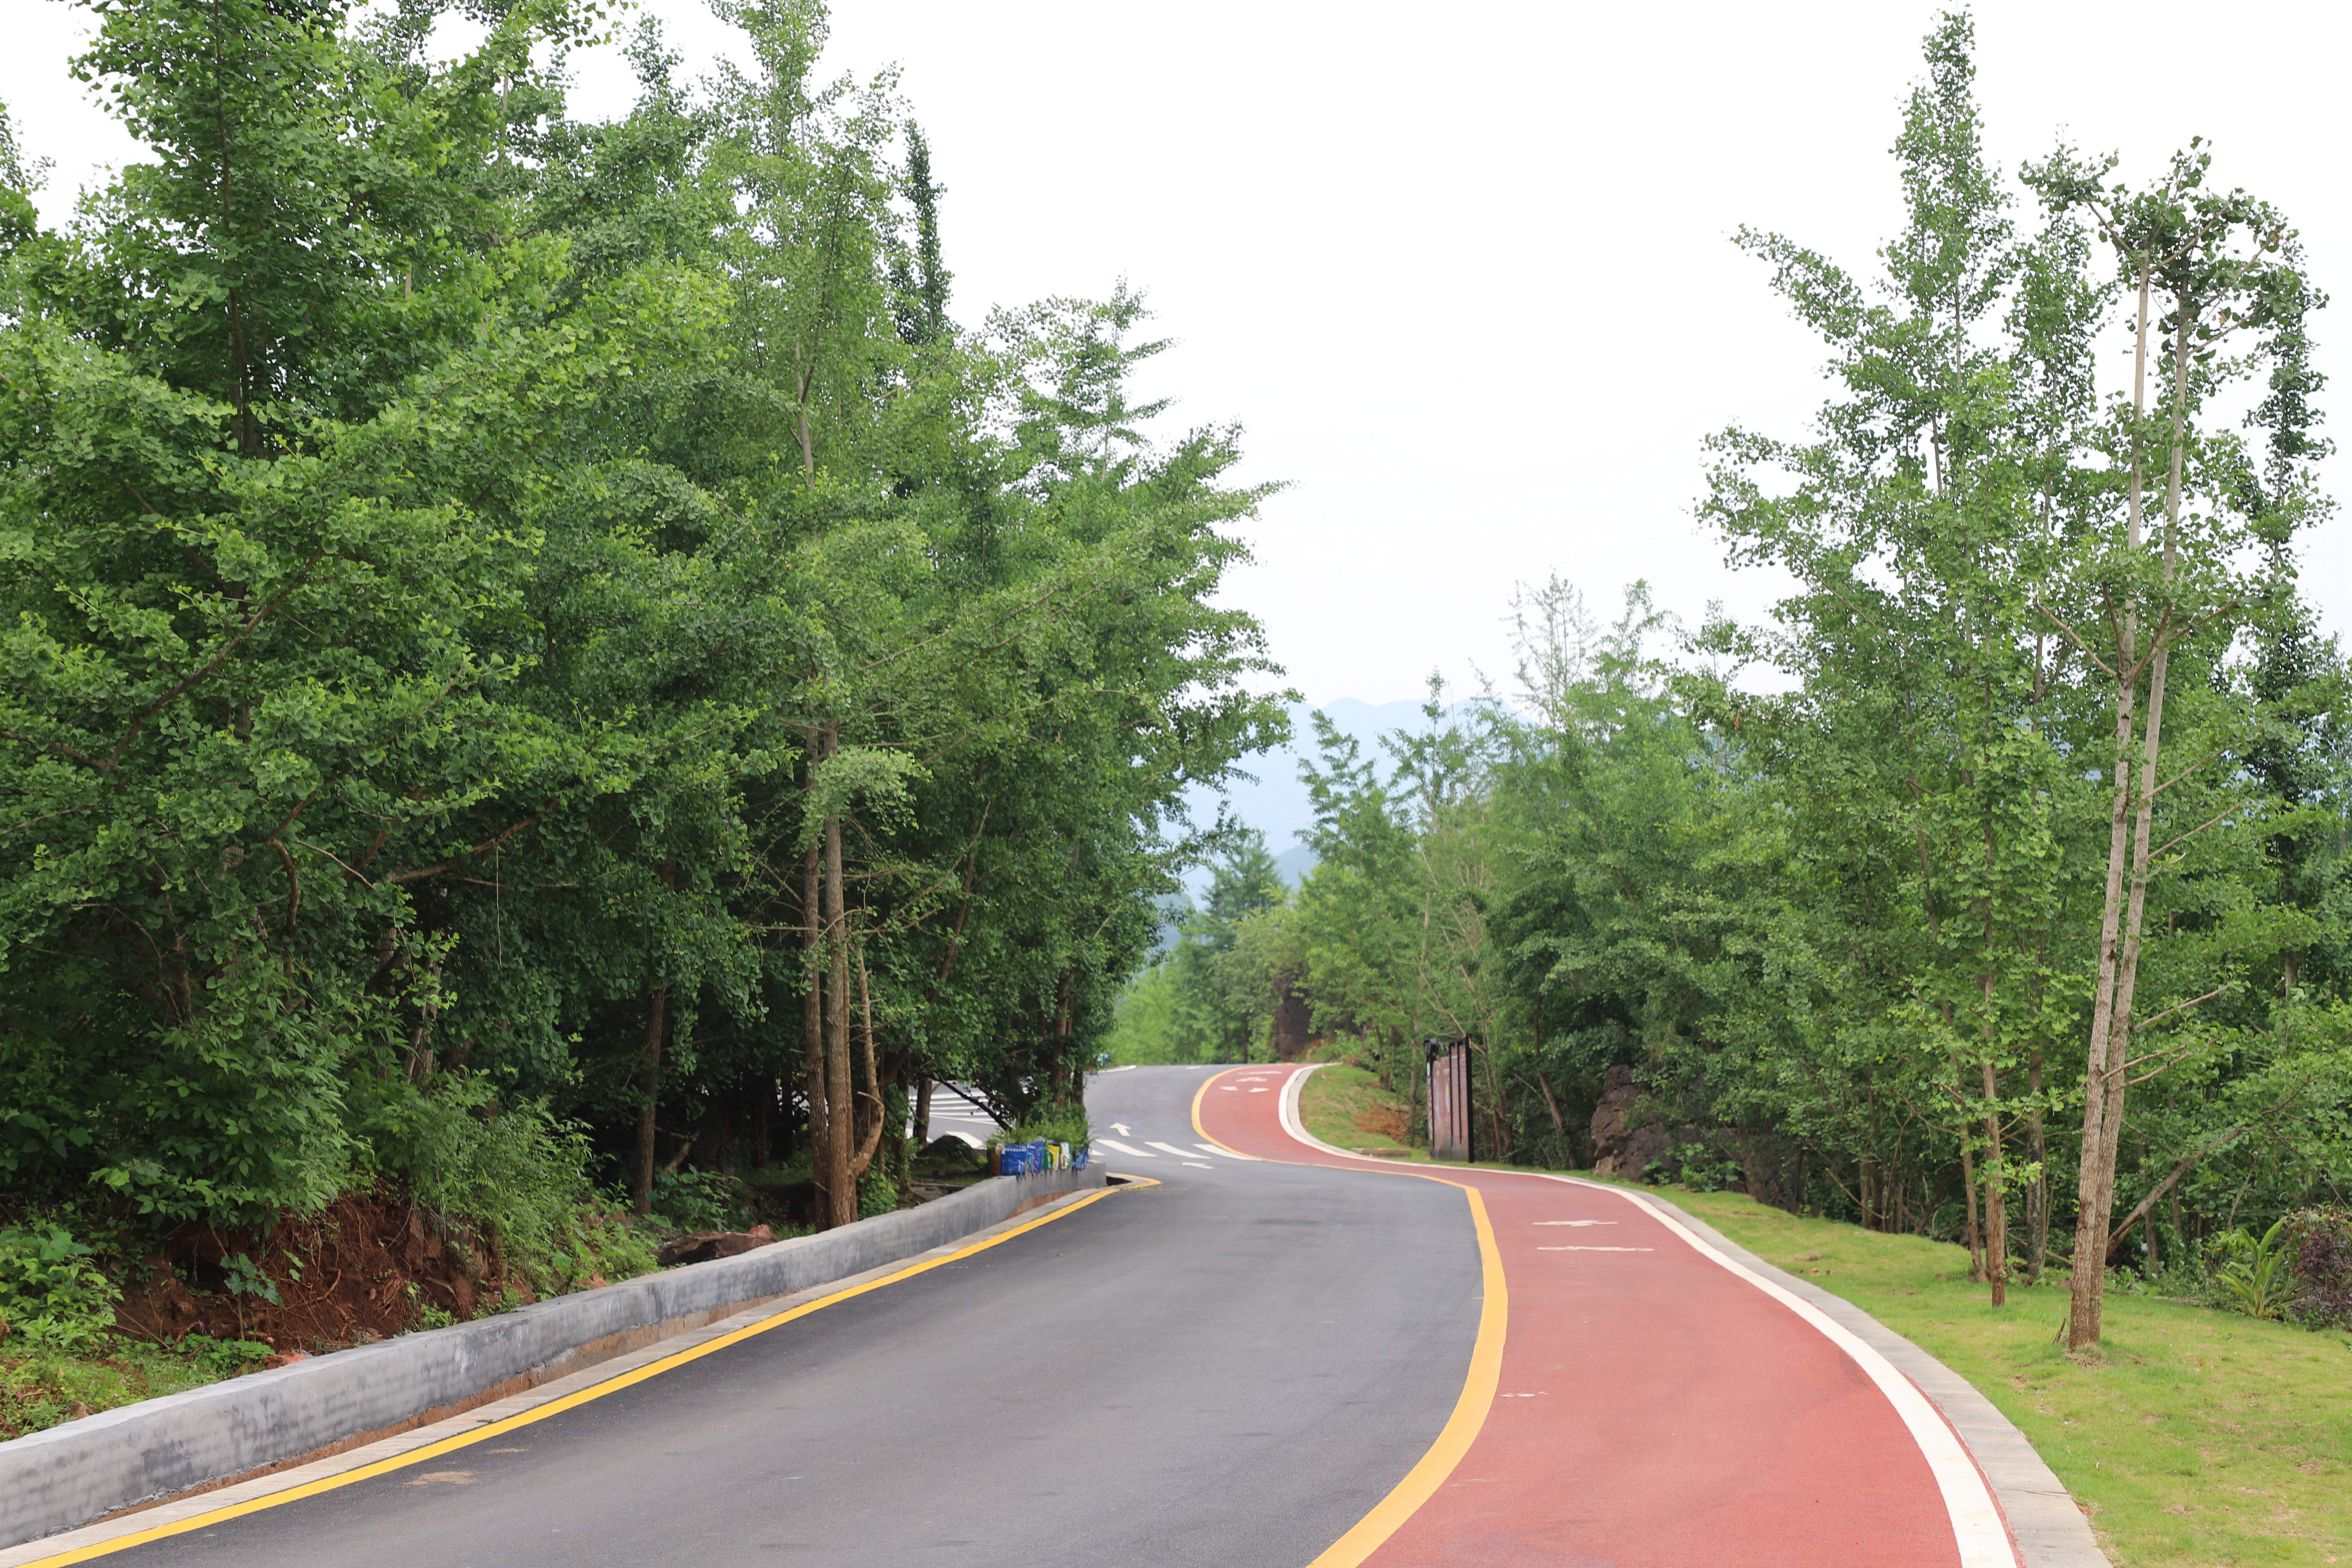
<point x="1210" y="996"/>
<point x="1844" y="894"/>
<point x="536" y="652"/>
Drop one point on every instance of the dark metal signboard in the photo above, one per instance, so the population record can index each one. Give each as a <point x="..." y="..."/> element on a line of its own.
<point x="1449" y="1100"/>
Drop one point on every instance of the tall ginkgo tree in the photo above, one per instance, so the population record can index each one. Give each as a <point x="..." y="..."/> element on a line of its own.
<point x="2204" y="268"/>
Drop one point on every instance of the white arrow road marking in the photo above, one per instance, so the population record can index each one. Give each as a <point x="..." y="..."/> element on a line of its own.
<point x="1226" y="1153"/>
<point x="1596" y="1249"/>
<point x="1549" y="1221"/>
<point x="1121" y="1127"/>
<point x="1116" y="1147"/>
<point x="1169" y="1149"/>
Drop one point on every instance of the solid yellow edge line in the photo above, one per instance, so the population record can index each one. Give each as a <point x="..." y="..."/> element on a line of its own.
<point x="1462" y="1428"/>
<point x="1478" y="1387"/>
<point x="541" y="1413"/>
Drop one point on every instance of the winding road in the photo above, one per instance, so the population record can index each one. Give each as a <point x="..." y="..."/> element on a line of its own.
<point x="1273" y="1356"/>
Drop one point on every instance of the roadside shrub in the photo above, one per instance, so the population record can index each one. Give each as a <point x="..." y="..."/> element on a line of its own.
<point x="877" y="1191"/>
<point x="597" y="1247"/>
<point x="50" y="1293"/>
<point x="696" y="1200"/>
<point x="2252" y="1274"/>
<point x="1057" y="1125"/>
<point x="2318" y="1245"/>
<point x="514" y="1172"/>
<point x="41" y="1387"/>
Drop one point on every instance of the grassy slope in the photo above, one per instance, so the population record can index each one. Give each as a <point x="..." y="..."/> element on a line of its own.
<point x="2200" y="1439"/>
<point x="1346" y="1108"/>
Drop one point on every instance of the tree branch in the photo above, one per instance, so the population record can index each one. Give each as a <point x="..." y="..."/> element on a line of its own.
<point x="2183" y="839"/>
<point x="422" y="872"/>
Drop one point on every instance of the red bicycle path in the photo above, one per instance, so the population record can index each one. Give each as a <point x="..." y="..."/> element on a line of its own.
<point x="1657" y="1404"/>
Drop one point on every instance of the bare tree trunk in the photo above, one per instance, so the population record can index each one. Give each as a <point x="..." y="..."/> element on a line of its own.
<point x="2102" y="1076"/>
<point x="874" y="1114"/>
<point x="813" y="1022"/>
<point x="2037" y="1197"/>
<point x="840" y="1186"/>
<point x="657" y="1016"/>
<point x="2090" y="1249"/>
<point x="1996" y="1194"/>
<point x="1973" y="1239"/>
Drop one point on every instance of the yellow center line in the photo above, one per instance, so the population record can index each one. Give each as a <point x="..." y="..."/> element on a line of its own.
<point x="1420" y="1483"/>
<point x="553" y="1407"/>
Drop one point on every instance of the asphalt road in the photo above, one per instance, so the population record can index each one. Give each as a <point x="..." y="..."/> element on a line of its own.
<point x="1226" y="1370"/>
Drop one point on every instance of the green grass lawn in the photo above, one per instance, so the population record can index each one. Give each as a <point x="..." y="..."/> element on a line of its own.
<point x="2195" y="1439"/>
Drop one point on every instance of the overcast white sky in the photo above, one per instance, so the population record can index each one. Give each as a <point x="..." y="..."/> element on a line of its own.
<point x="1464" y="273"/>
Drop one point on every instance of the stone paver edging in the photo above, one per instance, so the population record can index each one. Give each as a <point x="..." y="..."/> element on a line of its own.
<point x="2047" y="1526"/>
<point x="66" y="1475"/>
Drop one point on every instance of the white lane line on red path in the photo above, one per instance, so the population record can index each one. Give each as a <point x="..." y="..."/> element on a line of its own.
<point x="1116" y="1147"/>
<point x="1576" y="1222"/>
<point x="1596" y="1249"/>
<point x="1978" y="1528"/>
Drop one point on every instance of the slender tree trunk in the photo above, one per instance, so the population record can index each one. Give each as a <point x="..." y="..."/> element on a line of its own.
<point x="874" y="1113"/>
<point x="813" y="1084"/>
<point x="2102" y="1069"/>
<point x="2118" y="1053"/>
<point x="840" y="1187"/>
<point x="923" y="1114"/>
<point x="657" y="1016"/>
<point x="2037" y="1197"/>
<point x="1974" y="1238"/>
<point x="1996" y="1194"/>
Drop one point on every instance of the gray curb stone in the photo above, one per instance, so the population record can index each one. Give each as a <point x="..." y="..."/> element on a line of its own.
<point x="66" y="1475"/>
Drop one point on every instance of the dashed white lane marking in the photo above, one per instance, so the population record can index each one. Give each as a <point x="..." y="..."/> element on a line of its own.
<point x="1196" y="1165"/>
<point x="1116" y="1147"/>
<point x="1224" y="1153"/>
<point x="1259" y="1090"/>
<point x="1596" y="1249"/>
<point x="1169" y="1149"/>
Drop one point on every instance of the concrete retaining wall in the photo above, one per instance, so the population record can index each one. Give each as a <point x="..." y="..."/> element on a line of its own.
<point x="70" y="1475"/>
